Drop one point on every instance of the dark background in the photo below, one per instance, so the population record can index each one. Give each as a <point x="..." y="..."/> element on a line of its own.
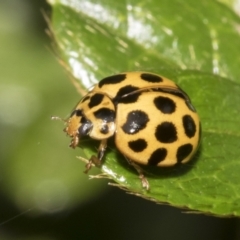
<point x="107" y="213"/>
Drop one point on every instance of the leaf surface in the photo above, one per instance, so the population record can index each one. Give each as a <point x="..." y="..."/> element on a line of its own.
<point x="193" y="43"/>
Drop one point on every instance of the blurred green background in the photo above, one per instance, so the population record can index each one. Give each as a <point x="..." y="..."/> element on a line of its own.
<point x="43" y="192"/>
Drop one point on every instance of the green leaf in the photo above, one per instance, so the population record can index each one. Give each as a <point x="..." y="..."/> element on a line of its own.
<point x="193" y="43"/>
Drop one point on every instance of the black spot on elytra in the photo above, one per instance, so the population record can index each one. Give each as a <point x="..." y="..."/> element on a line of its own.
<point x="157" y="156"/>
<point x="136" y="121"/>
<point x="166" y="132"/>
<point x="183" y="151"/>
<point x="151" y="78"/>
<point x="165" y="104"/>
<point x="189" y="126"/>
<point x="175" y="92"/>
<point x="112" y="79"/>
<point x="130" y="98"/>
<point x="95" y="100"/>
<point x="137" y="145"/>
<point x="105" y="114"/>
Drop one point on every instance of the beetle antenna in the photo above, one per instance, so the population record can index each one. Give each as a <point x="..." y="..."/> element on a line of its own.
<point x="58" y="118"/>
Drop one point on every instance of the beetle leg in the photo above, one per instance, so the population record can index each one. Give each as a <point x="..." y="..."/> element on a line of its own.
<point x="97" y="160"/>
<point x="139" y="170"/>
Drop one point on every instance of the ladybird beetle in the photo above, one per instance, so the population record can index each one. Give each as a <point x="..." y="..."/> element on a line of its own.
<point x="151" y="119"/>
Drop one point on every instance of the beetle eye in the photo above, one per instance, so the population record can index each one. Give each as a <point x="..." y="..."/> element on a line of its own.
<point x="85" y="127"/>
